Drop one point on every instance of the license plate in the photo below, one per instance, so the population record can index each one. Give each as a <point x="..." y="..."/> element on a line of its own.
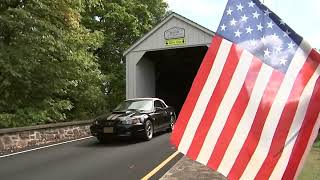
<point x="108" y="130"/>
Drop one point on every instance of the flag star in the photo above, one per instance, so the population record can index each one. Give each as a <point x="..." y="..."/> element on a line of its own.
<point x="260" y="27"/>
<point x="270" y="24"/>
<point x="287" y="33"/>
<point x="278" y="49"/>
<point x="256" y="15"/>
<point x="249" y="30"/>
<point x="282" y="22"/>
<point x="253" y="42"/>
<point x="251" y="4"/>
<point x="223" y="27"/>
<point x="239" y="7"/>
<point x="267" y="12"/>
<point x="263" y="40"/>
<point x="244" y="18"/>
<point x="283" y="61"/>
<point x="233" y="22"/>
<point x="229" y="11"/>
<point x="237" y="33"/>
<point x="275" y="37"/>
<point x="291" y="45"/>
<point x="266" y="53"/>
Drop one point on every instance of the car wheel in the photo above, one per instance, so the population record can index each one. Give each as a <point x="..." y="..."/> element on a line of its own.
<point x="171" y="125"/>
<point x="148" y="130"/>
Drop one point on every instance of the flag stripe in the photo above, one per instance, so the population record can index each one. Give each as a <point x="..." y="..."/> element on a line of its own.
<point x="304" y="134"/>
<point x="252" y="139"/>
<point x="283" y="161"/>
<point x="205" y="95"/>
<point x="225" y="107"/>
<point x="312" y="139"/>
<point x="243" y="128"/>
<point x="235" y="115"/>
<point x="246" y="140"/>
<point x="315" y="56"/>
<point x="195" y="90"/>
<point x="275" y="112"/>
<point x="292" y="113"/>
<point x="257" y="113"/>
<point x="214" y="103"/>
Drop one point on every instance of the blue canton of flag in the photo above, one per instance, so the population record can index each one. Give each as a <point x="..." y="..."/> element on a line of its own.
<point x="257" y="29"/>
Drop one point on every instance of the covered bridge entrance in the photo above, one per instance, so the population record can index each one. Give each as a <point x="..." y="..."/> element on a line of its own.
<point x="165" y="61"/>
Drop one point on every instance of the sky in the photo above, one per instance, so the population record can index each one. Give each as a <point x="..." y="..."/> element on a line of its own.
<point x="302" y="16"/>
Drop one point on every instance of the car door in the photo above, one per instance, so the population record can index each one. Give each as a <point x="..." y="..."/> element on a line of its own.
<point x="166" y="115"/>
<point x="160" y="114"/>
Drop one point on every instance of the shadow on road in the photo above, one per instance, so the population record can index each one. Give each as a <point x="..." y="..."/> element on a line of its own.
<point x="117" y="141"/>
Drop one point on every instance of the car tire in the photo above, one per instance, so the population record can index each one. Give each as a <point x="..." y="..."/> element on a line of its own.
<point x="148" y="130"/>
<point x="172" y="121"/>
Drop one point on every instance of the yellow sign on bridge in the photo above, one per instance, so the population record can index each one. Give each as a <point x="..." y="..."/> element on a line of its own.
<point x="175" y="42"/>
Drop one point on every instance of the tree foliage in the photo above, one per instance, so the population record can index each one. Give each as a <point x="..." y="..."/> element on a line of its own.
<point x="122" y="22"/>
<point x="48" y="70"/>
<point x="60" y="60"/>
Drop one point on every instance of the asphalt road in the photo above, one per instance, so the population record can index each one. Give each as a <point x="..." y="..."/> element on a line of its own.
<point x="87" y="159"/>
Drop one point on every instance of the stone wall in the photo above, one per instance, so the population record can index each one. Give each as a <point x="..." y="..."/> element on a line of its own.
<point x="16" y="139"/>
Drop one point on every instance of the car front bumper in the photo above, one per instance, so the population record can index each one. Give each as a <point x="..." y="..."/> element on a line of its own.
<point x="116" y="130"/>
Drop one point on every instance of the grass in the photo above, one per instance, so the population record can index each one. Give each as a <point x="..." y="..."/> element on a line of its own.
<point x="317" y="144"/>
<point x="311" y="169"/>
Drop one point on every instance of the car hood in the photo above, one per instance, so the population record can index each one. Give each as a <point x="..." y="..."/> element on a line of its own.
<point x="119" y="115"/>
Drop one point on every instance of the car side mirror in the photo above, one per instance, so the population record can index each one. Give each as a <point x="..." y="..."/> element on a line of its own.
<point x="157" y="108"/>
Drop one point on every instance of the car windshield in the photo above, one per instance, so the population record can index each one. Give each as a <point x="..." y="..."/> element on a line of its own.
<point x="141" y="105"/>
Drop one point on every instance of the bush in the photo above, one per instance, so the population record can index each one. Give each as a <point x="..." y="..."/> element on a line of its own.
<point x="317" y="142"/>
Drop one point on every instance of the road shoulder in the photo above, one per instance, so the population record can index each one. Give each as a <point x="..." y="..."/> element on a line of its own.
<point x="191" y="170"/>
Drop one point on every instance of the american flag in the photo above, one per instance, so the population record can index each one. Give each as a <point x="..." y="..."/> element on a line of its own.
<point x="253" y="109"/>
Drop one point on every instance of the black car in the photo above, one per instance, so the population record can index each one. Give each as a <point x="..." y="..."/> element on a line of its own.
<point x="141" y="117"/>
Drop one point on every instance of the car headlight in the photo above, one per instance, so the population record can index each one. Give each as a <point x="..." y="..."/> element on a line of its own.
<point x="133" y="120"/>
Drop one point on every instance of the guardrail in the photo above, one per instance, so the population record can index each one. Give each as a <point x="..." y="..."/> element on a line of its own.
<point x="16" y="139"/>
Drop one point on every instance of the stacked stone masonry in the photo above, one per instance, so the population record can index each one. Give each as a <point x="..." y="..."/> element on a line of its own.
<point x="15" y="141"/>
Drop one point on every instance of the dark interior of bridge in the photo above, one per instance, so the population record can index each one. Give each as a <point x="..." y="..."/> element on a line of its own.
<point x="175" y="71"/>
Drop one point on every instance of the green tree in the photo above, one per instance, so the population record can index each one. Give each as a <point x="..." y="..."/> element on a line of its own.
<point x="60" y="60"/>
<point x="48" y="72"/>
<point x="122" y="22"/>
